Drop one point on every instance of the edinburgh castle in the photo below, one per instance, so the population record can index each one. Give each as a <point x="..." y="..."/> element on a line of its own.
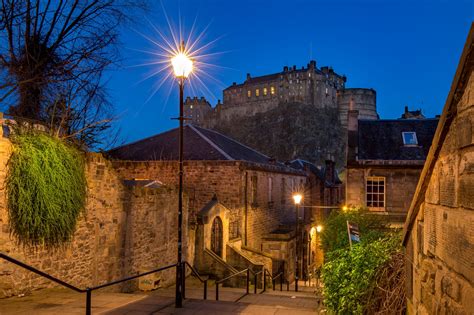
<point x="306" y="101"/>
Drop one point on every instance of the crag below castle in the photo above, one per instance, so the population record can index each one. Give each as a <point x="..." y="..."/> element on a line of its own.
<point x="289" y="131"/>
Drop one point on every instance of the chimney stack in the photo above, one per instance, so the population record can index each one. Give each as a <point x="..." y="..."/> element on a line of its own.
<point x="352" y="135"/>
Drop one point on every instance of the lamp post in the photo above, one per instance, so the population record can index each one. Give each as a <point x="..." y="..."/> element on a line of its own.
<point x="297" y="199"/>
<point x="182" y="67"/>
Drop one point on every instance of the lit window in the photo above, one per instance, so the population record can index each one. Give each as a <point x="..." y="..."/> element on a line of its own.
<point x="265" y="91"/>
<point x="272" y="90"/>
<point x="409" y="138"/>
<point x="327" y="92"/>
<point x="249" y="93"/>
<point x="375" y="192"/>
<point x="191" y="106"/>
<point x="291" y="81"/>
<point x="257" y="92"/>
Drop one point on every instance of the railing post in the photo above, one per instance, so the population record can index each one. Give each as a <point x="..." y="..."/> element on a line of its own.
<point x="281" y="282"/>
<point x="183" y="277"/>
<point x="287" y="285"/>
<point x="217" y="291"/>
<point x="248" y="280"/>
<point x="273" y="284"/>
<point x="264" y="282"/>
<point x="88" y="301"/>
<point x="205" y="289"/>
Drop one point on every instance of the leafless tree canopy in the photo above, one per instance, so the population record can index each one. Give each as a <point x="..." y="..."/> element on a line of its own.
<point x="52" y="58"/>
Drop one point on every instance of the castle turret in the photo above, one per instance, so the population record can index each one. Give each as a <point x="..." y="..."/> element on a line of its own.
<point x="356" y="99"/>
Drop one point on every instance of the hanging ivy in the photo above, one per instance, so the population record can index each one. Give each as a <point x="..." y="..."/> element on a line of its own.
<point x="46" y="189"/>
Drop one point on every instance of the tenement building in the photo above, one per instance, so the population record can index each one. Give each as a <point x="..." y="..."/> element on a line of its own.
<point x="321" y="87"/>
<point x="439" y="230"/>
<point x="384" y="162"/>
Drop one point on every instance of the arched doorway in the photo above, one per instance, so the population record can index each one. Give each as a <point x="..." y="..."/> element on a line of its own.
<point x="216" y="236"/>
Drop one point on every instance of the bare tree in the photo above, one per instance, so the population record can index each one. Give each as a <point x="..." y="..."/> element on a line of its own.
<point x="53" y="54"/>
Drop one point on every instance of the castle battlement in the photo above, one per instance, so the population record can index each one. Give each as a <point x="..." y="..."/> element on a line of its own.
<point x="321" y="87"/>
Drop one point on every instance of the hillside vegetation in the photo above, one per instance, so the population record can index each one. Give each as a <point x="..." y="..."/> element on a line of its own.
<point x="289" y="131"/>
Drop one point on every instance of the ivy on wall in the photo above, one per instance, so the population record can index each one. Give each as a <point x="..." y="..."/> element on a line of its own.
<point x="46" y="189"/>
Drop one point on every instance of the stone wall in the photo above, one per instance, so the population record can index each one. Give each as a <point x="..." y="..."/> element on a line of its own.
<point x="440" y="246"/>
<point x="122" y="231"/>
<point x="231" y="182"/>
<point x="400" y="185"/>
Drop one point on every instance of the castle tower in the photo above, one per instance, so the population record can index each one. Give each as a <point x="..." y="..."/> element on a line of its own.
<point x="196" y="110"/>
<point x="357" y="99"/>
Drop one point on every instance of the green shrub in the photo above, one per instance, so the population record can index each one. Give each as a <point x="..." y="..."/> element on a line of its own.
<point x="46" y="189"/>
<point x="349" y="275"/>
<point x="334" y="236"/>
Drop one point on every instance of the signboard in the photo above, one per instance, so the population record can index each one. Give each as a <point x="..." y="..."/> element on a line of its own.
<point x="353" y="232"/>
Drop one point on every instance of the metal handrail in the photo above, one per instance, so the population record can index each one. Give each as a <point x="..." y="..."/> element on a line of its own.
<point x="273" y="278"/>
<point x="197" y="275"/>
<point x="247" y="271"/>
<point x="88" y="290"/>
<point x="232" y="275"/>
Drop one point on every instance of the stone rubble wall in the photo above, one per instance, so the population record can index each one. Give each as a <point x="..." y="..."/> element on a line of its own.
<point x="228" y="181"/>
<point x="121" y="232"/>
<point x="440" y="248"/>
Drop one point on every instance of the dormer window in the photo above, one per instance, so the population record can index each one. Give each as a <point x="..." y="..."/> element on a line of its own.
<point x="249" y="93"/>
<point x="257" y="92"/>
<point x="409" y="138"/>
<point x="265" y="91"/>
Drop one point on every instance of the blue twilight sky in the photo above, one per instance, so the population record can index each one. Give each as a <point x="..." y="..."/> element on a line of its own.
<point x="406" y="50"/>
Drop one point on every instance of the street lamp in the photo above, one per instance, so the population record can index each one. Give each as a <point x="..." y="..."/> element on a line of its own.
<point x="297" y="199"/>
<point x="182" y="67"/>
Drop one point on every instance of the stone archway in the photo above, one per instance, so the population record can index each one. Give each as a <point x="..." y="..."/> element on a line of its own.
<point x="217" y="236"/>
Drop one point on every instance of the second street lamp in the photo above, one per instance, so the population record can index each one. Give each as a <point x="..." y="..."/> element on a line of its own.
<point x="182" y="67"/>
<point x="297" y="199"/>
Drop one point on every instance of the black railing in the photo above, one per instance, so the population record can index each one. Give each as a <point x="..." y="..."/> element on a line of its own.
<point x="247" y="271"/>
<point x="88" y="290"/>
<point x="200" y="278"/>
<point x="265" y="273"/>
<point x="273" y="278"/>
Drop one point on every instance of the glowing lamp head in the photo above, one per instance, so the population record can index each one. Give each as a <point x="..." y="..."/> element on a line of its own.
<point x="345" y="208"/>
<point x="297" y="198"/>
<point x="319" y="228"/>
<point x="182" y="65"/>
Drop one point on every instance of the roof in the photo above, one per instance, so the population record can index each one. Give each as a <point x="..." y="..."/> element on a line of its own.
<point x="382" y="139"/>
<point x="463" y="71"/>
<point x="199" y="144"/>
<point x="300" y="164"/>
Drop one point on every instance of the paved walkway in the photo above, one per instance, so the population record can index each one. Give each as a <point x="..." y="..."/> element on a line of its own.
<point x="61" y="301"/>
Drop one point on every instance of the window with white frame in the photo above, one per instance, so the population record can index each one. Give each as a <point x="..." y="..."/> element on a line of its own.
<point x="375" y="192"/>
<point x="409" y="138"/>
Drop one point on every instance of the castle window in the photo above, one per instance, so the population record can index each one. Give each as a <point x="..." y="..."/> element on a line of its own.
<point x="375" y="193"/>
<point x="191" y="106"/>
<point x="409" y="138"/>
<point x="272" y="90"/>
<point x="265" y="91"/>
<point x="249" y="93"/>
<point x="257" y="92"/>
